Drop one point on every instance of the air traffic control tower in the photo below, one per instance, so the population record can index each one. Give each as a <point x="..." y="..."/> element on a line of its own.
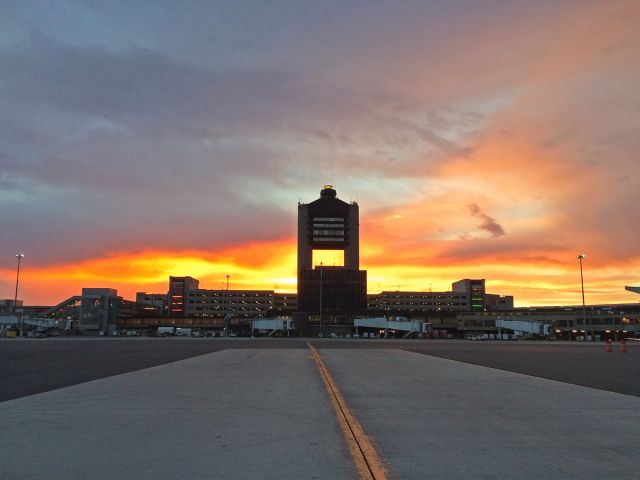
<point x="331" y="295"/>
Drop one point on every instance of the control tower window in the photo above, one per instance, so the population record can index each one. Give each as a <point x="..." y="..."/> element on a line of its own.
<point x="328" y="258"/>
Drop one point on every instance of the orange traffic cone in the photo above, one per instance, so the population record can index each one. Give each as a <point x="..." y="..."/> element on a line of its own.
<point x="609" y="346"/>
<point x="623" y="346"/>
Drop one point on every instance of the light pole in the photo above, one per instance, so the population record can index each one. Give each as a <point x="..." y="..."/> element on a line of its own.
<point x="19" y="256"/>
<point x="224" y="307"/>
<point x="320" y="299"/>
<point x="584" y="308"/>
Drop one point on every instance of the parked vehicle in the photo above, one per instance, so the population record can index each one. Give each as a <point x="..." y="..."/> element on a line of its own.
<point x="166" y="331"/>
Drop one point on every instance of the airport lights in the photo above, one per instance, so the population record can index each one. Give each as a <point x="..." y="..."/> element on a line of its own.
<point x="580" y="257"/>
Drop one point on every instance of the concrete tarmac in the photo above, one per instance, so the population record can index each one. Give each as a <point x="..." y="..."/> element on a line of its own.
<point x="235" y="414"/>
<point x="587" y="364"/>
<point x="40" y="365"/>
<point x="440" y="419"/>
<point x="261" y="411"/>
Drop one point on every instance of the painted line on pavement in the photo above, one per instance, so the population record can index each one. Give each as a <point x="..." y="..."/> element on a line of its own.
<point x="368" y="462"/>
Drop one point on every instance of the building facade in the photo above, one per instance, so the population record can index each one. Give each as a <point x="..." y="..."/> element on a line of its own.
<point x="611" y="321"/>
<point x="179" y="289"/>
<point x="474" y="290"/>
<point x="465" y="296"/>
<point x="329" y="293"/>
<point x="231" y="303"/>
<point x="99" y="309"/>
<point x="404" y="302"/>
<point x="7" y="307"/>
<point x="159" y="300"/>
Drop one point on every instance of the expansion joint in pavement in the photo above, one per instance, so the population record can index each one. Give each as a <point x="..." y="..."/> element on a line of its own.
<point x="367" y="460"/>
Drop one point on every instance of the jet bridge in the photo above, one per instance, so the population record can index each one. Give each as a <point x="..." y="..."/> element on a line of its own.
<point x="399" y="324"/>
<point x="271" y="326"/>
<point x="535" y="328"/>
<point x="31" y="321"/>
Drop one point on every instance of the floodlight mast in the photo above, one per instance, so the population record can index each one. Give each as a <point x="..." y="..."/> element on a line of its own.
<point x="580" y="257"/>
<point x="224" y="309"/>
<point x="321" y="297"/>
<point x="19" y="256"/>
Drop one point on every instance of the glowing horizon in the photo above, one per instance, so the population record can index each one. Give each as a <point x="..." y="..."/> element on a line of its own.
<point x="149" y="271"/>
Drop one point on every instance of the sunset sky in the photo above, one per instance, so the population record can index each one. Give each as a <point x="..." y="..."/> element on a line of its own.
<point x="482" y="139"/>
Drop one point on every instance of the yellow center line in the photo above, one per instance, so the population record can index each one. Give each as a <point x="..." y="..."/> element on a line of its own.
<point x="368" y="463"/>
